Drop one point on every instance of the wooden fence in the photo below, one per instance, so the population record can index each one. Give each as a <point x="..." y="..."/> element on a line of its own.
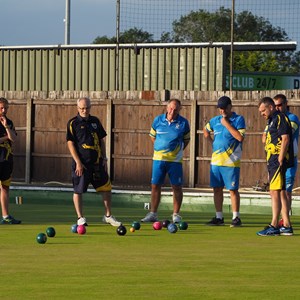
<point x="41" y="153"/>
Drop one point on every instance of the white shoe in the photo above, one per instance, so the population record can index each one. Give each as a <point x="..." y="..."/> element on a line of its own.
<point x="150" y="217"/>
<point x="82" y="221"/>
<point x="176" y="218"/>
<point x="111" y="220"/>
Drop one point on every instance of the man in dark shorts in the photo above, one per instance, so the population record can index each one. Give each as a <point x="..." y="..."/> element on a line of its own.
<point x="279" y="152"/>
<point x="7" y="138"/>
<point x="85" y="135"/>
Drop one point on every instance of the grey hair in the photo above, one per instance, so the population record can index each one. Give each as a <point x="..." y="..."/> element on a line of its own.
<point x="87" y="99"/>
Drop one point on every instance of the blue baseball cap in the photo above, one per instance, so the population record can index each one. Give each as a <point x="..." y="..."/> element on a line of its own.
<point x="223" y="102"/>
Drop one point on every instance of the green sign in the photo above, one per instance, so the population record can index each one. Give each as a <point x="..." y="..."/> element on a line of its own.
<point x="256" y="82"/>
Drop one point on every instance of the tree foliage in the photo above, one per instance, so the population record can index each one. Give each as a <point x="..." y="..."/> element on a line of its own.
<point x="204" y="26"/>
<point x="132" y="35"/>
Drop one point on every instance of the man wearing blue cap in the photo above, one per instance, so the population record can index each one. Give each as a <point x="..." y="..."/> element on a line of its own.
<point x="228" y="132"/>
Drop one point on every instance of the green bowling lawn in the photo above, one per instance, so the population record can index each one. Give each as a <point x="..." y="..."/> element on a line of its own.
<point x="200" y="263"/>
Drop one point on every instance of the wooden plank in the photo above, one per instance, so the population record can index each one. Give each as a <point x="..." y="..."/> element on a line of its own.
<point x="48" y="155"/>
<point x="29" y="109"/>
<point x="130" y="157"/>
<point x="192" y="145"/>
<point x="120" y="130"/>
<point x="48" y="129"/>
<point x="108" y="140"/>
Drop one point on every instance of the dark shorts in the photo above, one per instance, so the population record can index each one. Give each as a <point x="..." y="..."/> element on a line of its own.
<point x="6" y="168"/>
<point x="94" y="175"/>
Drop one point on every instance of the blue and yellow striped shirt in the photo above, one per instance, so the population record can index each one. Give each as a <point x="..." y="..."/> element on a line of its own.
<point x="169" y="138"/>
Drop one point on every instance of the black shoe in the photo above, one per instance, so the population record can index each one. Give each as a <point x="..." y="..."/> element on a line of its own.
<point x="236" y="222"/>
<point x="215" y="222"/>
<point x="10" y="220"/>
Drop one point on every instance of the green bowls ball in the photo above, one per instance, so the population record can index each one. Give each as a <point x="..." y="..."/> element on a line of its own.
<point x="136" y="225"/>
<point x="41" y="238"/>
<point x="50" y="232"/>
<point x="183" y="225"/>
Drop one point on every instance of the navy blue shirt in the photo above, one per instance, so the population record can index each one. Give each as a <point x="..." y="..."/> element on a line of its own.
<point x="6" y="153"/>
<point x="86" y="136"/>
<point x="278" y="125"/>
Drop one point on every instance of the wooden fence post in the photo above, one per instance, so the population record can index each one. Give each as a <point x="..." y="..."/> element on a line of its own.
<point x="192" y="145"/>
<point x="109" y="134"/>
<point x="29" y="107"/>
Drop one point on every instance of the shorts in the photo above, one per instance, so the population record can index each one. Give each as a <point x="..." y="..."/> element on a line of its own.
<point x="161" y="168"/>
<point x="290" y="175"/>
<point x="224" y="176"/>
<point x="6" y="168"/>
<point x="94" y="175"/>
<point x="277" y="177"/>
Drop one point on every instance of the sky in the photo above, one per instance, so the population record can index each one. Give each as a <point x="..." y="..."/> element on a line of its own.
<point x="41" y="22"/>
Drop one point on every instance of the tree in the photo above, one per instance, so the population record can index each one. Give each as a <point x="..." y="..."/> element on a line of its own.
<point x="205" y="26"/>
<point x="132" y="35"/>
<point x="104" y="40"/>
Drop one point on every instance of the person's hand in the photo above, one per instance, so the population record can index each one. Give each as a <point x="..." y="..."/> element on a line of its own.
<point x="79" y="169"/>
<point x="104" y="163"/>
<point x="3" y="121"/>
<point x="225" y="120"/>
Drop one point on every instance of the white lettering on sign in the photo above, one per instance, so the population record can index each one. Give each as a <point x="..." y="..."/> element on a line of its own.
<point x="243" y="82"/>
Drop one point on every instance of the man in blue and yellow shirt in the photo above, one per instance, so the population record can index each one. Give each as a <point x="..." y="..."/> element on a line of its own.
<point x="170" y="134"/>
<point x="281" y="105"/>
<point x="228" y="130"/>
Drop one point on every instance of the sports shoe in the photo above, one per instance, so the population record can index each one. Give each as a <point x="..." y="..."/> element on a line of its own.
<point x="150" y="217"/>
<point x="111" y="220"/>
<point x="215" y="222"/>
<point x="286" y="230"/>
<point x="236" y="222"/>
<point x="269" y="231"/>
<point x="176" y="218"/>
<point x="82" y="221"/>
<point x="10" y="220"/>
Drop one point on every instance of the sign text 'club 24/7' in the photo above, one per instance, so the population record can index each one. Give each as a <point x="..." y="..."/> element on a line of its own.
<point x="260" y="82"/>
